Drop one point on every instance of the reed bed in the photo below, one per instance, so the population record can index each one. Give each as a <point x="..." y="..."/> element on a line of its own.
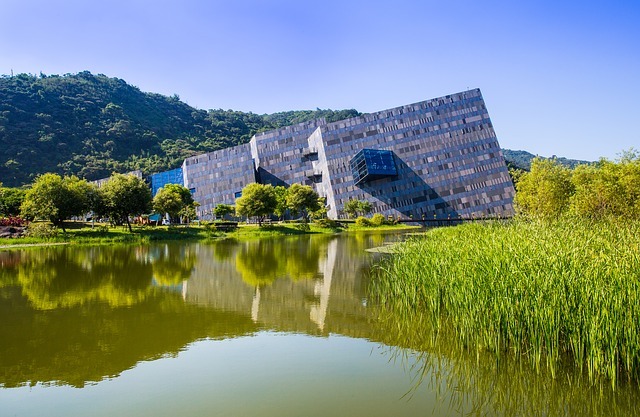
<point x="550" y="292"/>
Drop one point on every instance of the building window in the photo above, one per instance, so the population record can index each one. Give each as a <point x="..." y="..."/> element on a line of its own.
<point x="372" y="164"/>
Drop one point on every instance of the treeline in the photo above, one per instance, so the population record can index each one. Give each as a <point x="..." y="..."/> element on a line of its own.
<point x="522" y="160"/>
<point x="56" y="199"/>
<point x="93" y="125"/>
<point x="600" y="190"/>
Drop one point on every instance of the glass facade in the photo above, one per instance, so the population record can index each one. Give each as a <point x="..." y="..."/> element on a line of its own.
<point x="161" y="179"/>
<point x="372" y="164"/>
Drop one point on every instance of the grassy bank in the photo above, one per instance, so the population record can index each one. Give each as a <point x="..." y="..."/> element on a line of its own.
<point x="80" y="233"/>
<point x="552" y="293"/>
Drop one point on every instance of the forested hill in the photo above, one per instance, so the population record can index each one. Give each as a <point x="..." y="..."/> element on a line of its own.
<point x="94" y="125"/>
<point x="522" y="159"/>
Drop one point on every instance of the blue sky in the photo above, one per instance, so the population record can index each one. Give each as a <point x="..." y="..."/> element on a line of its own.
<point x="558" y="78"/>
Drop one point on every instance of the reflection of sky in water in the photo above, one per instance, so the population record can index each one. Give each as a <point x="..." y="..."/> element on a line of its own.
<point x="269" y="374"/>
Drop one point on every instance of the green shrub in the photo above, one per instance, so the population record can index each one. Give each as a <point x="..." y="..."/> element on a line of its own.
<point x="303" y="227"/>
<point x="363" y="222"/>
<point x="378" y="220"/>
<point x="327" y="223"/>
<point x="42" y="230"/>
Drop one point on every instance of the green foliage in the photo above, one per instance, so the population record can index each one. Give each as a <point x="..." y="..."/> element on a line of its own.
<point x="363" y="222"/>
<point x="222" y="210"/>
<point x="355" y="207"/>
<point x="321" y="211"/>
<point x="327" y="223"/>
<point x="92" y="125"/>
<point x="258" y="200"/>
<point x="172" y="199"/>
<point x="605" y="189"/>
<point x="10" y="200"/>
<point x="41" y="230"/>
<point x="126" y="195"/>
<point x="545" y="190"/>
<point x="302" y="199"/>
<point x="56" y="199"/>
<point x="281" y="197"/>
<point x="378" y="220"/>
<point x="608" y="189"/>
<point x="515" y="174"/>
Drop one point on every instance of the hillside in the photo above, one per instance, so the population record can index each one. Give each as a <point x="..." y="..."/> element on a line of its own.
<point x="522" y="159"/>
<point x="93" y="125"/>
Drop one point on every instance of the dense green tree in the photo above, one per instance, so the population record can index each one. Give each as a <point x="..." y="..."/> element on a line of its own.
<point x="302" y="199"/>
<point x="10" y="200"/>
<point x="321" y="211"/>
<point x="608" y="189"/>
<point x="355" y="207"/>
<point x="281" y="197"/>
<point x="92" y="125"/>
<point x="545" y="190"/>
<point x="222" y="210"/>
<point x="258" y="200"/>
<point x="172" y="199"/>
<point x="125" y="196"/>
<point x="56" y="199"/>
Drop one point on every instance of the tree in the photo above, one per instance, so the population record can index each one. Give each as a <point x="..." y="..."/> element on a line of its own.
<point x="365" y="207"/>
<point x="172" y="199"/>
<point x="321" y="211"/>
<point x="222" y="210"/>
<point x="126" y="195"/>
<point x="281" y="197"/>
<point x="354" y="207"/>
<point x="302" y="199"/>
<point x="258" y="200"/>
<point x="189" y="212"/>
<point x="10" y="200"/>
<point x="56" y="199"/>
<point x="545" y="190"/>
<point x="607" y="188"/>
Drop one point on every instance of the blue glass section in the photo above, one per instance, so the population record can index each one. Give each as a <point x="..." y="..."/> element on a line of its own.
<point x="161" y="179"/>
<point x="372" y="164"/>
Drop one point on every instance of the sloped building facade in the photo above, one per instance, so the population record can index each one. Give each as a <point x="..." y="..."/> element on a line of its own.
<point x="437" y="158"/>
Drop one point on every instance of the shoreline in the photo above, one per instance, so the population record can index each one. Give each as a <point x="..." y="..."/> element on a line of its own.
<point x="88" y="236"/>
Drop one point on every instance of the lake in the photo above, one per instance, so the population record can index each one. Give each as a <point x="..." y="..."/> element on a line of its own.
<point x="271" y="327"/>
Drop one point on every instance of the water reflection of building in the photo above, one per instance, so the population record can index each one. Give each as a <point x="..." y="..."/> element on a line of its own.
<point x="330" y="300"/>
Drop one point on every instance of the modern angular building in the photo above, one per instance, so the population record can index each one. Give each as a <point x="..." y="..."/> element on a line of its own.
<point x="437" y="158"/>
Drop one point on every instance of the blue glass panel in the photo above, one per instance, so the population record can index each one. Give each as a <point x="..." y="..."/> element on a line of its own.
<point x="161" y="179"/>
<point x="372" y="164"/>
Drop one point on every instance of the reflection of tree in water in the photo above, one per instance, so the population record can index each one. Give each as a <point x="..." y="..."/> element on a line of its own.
<point x="65" y="277"/>
<point x="172" y="264"/>
<point x="87" y="343"/>
<point x="223" y="250"/>
<point x="303" y="256"/>
<point x="363" y="240"/>
<point x="478" y="383"/>
<point x="260" y="262"/>
<point x="9" y="262"/>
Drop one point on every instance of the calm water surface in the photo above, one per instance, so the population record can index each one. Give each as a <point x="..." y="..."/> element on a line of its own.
<point x="279" y="327"/>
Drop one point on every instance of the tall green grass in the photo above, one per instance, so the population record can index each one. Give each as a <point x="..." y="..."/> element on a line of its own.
<point x="549" y="292"/>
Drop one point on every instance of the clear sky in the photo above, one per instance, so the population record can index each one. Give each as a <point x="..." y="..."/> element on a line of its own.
<point x="558" y="77"/>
